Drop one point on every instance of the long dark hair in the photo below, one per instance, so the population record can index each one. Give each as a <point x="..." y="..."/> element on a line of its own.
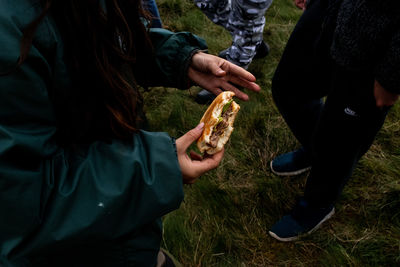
<point x="103" y="40"/>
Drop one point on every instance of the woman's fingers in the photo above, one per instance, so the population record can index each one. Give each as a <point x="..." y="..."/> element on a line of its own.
<point x="239" y="94"/>
<point x="195" y="156"/>
<point x="183" y="142"/>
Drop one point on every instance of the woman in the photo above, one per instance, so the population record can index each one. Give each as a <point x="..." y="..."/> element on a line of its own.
<point x="80" y="184"/>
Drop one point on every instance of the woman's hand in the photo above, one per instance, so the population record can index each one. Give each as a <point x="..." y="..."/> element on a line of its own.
<point x="194" y="166"/>
<point x="383" y="97"/>
<point x="216" y="74"/>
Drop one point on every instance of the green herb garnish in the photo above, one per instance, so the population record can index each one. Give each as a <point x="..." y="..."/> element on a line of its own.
<point x="219" y="120"/>
<point x="227" y="105"/>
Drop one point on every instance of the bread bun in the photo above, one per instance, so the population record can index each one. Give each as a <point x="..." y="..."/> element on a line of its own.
<point x="218" y="123"/>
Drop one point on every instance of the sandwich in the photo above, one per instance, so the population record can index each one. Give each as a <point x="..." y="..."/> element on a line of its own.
<point x="218" y="123"/>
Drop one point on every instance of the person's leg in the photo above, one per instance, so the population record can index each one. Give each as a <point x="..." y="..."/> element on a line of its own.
<point x="246" y="24"/>
<point x="216" y="10"/>
<point x="151" y="6"/>
<point x="302" y="78"/>
<point x="299" y="83"/>
<point x="345" y="131"/>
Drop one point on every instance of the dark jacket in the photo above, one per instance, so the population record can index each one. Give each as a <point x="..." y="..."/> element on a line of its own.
<point x="367" y="36"/>
<point x="102" y="203"/>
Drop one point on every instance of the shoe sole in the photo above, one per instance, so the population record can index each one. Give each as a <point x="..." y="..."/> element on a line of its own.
<point x="289" y="173"/>
<point x="294" y="238"/>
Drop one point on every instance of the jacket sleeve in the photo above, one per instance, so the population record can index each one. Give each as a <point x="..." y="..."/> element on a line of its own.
<point x="172" y="55"/>
<point x="387" y="72"/>
<point x="51" y="195"/>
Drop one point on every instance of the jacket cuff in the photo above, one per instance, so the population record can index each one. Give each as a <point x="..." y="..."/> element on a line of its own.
<point x="187" y="82"/>
<point x="173" y="140"/>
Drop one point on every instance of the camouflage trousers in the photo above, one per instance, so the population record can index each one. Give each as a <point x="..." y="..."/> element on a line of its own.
<point x="244" y="19"/>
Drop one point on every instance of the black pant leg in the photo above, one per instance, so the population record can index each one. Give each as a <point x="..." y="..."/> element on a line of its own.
<point x="346" y="129"/>
<point x="302" y="78"/>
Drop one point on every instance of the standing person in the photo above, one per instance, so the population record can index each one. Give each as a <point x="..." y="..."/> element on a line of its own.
<point x="348" y="51"/>
<point x="245" y="20"/>
<point x="80" y="183"/>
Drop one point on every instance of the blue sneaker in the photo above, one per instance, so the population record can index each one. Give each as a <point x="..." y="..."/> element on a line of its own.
<point x="302" y="220"/>
<point x="292" y="163"/>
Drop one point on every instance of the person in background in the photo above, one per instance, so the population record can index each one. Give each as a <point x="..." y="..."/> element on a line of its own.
<point x="349" y="52"/>
<point x="80" y="183"/>
<point x="245" y="21"/>
<point x="155" y="18"/>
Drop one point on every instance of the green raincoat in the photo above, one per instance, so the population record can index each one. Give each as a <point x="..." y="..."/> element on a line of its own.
<point x="100" y="206"/>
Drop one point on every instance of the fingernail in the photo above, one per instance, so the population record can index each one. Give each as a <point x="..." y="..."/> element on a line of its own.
<point x="200" y="126"/>
<point x="220" y="72"/>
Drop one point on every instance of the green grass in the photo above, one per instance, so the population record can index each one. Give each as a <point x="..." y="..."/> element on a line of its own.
<point x="226" y="214"/>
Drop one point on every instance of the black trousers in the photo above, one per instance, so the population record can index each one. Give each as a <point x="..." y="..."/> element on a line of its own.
<point x="337" y="131"/>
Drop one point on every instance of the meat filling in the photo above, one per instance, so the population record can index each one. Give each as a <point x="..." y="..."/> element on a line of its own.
<point x="220" y="127"/>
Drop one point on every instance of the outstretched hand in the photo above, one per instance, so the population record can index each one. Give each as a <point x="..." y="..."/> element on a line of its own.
<point x="216" y="74"/>
<point x="194" y="166"/>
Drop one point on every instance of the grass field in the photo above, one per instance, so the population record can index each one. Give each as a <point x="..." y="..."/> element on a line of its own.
<point x="226" y="214"/>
